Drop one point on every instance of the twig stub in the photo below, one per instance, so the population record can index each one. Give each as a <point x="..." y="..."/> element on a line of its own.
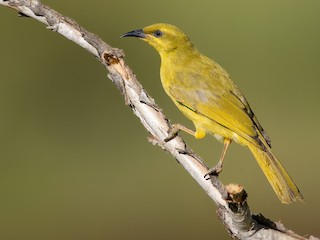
<point x="236" y="194"/>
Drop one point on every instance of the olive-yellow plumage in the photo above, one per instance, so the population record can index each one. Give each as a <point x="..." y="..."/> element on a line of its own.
<point x="204" y="92"/>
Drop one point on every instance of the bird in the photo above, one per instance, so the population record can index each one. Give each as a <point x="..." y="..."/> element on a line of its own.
<point x="205" y="93"/>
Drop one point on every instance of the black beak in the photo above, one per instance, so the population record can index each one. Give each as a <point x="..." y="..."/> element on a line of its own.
<point x="135" y="33"/>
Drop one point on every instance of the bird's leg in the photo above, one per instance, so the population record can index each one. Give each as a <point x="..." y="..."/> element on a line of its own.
<point x="218" y="168"/>
<point x="175" y="128"/>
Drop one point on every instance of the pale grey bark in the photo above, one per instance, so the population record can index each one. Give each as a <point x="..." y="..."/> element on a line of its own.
<point x="233" y="210"/>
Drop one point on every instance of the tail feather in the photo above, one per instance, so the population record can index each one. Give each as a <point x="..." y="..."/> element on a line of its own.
<point x="278" y="177"/>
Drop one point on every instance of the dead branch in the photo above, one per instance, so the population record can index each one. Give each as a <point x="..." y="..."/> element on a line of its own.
<point x="233" y="210"/>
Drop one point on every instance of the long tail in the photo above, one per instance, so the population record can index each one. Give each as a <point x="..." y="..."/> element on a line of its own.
<point x="281" y="182"/>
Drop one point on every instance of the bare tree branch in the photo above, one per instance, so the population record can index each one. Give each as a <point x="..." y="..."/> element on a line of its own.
<point x="231" y="201"/>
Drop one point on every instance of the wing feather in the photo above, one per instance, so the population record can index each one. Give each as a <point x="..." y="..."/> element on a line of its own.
<point x="218" y="98"/>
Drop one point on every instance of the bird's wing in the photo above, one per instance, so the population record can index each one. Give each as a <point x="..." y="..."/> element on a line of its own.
<point x="216" y="97"/>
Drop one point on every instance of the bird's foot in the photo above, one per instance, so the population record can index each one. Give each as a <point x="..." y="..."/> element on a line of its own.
<point x="215" y="171"/>
<point x="172" y="132"/>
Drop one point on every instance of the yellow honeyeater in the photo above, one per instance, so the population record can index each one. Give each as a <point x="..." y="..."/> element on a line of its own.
<point x="204" y="92"/>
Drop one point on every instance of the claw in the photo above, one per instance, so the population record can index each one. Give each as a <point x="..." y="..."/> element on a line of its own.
<point x="172" y="133"/>
<point x="215" y="171"/>
<point x="174" y="130"/>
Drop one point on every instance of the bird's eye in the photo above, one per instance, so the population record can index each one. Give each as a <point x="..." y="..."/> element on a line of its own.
<point x="158" y="33"/>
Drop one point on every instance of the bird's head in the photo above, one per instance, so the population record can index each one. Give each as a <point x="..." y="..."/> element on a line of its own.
<point x="163" y="37"/>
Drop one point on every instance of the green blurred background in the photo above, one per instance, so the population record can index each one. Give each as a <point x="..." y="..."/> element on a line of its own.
<point x="75" y="162"/>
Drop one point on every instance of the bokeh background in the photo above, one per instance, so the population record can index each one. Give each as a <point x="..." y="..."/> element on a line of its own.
<point x="75" y="162"/>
